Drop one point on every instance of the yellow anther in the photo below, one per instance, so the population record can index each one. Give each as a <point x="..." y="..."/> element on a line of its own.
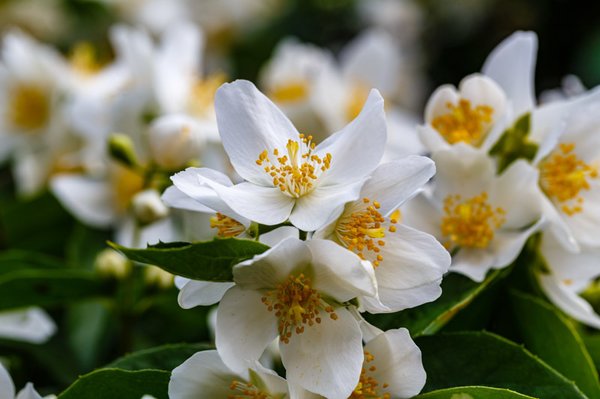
<point x="563" y="175"/>
<point x="226" y="226"/>
<point x="295" y="172"/>
<point x="368" y="387"/>
<point x="471" y="223"/>
<point x="247" y="390"/>
<point x="296" y="305"/>
<point x="464" y="123"/>
<point x="28" y="107"/>
<point x="201" y="100"/>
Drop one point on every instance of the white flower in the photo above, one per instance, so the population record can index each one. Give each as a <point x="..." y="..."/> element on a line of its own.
<point x="287" y="175"/>
<point x="484" y="105"/>
<point x="7" y="388"/>
<point x="298" y="291"/>
<point x="483" y="219"/>
<point x="28" y="325"/>
<point x="409" y="264"/>
<point x="32" y="129"/>
<point x="568" y="276"/>
<point x="148" y="207"/>
<point x="568" y="160"/>
<point x="204" y="375"/>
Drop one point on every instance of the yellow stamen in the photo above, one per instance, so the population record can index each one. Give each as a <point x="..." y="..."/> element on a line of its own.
<point x="356" y="101"/>
<point x="295" y="172"/>
<point x="464" y="123"/>
<point x="291" y="92"/>
<point x="247" y="390"/>
<point x="471" y="223"/>
<point x="563" y="175"/>
<point x="29" y="106"/>
<point x="362" y="228"/>
<point x="368" y="387"/>
<point x="83" y="59"/>
<point x="296" y="305"/>
<point x="226" y="226"/>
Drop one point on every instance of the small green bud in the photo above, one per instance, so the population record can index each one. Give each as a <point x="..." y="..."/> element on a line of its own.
<point x="121" y="149"/>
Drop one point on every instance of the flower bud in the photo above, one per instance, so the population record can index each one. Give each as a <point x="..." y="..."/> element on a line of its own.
<point x="175" y="140"/>
<point x="111" y="263"/>
<point x="156" y="276"/>
<point x="148" y="207"/>
<point x="121" y="149"/>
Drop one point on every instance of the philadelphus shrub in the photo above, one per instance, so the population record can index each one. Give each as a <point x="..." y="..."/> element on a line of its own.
<point x="319" y="217"/>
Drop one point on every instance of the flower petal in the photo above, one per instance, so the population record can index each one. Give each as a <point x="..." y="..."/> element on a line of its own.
<point x="245" y="327"/>
<point x="274" y="237"/>
<point x="202" y="376"/>
<point x="473" y="263"/>
<point x="265" y="205"/>
<point x="481" y="90"/>
<point x="395" y="299"/>
<point x="512" y="65"/>
<point x="438" y="102"/>
<point x="28" y="392"/>
<point x="249" y="124"/>
<point x="201" y="293"/>
<point x="356" y="149"/>
<point x="89" y="200"/>
<point x="175" y="198"/>
<point x="567" y="265"/>
<point x="568" y="301"/>
<point x="7" y="388"/>
<point x="327" y="357"/>
<point x="398" y="363"/>
<point x="392" y="183"/>
<point x="323" y="204"/>
<point x="28" y="325"/>
<point x="340" y="273"/>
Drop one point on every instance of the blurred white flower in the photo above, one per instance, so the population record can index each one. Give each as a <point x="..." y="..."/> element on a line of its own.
<point x="7" y="388"/>
<point x="28" y="325"/>
<point x="482" y="219"/>
<point x="568" y="275"/>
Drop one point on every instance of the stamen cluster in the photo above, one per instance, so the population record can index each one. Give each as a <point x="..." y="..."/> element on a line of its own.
<point x="296" y="305"/>
<point x="464" y="123"/>
<point x="246" y="390"/>
<point x="368" y="387"/>
<point x="296" y="171"/>
<point x="364" y="230"/>
<point x="563" y="175"/>
<point x="470" y="223"/>
<point x="226" y="226"/>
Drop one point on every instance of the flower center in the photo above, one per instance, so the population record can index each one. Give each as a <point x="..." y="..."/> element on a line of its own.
<point x="470" y="223"/>
<point x="368" y="387"/>
<point x="29" y="107"/>
<point x="83" y="59"/>
<point x="296" y="305"/>
<point x="563" y="176"/>
<point x="201" y="100"/>
<point x="246" y="390"/>
<point x="226" y="226"/>
<point x="296" y="171"/>
<point x="291" y="92"/>
<point x="365" y="230"/>
<point x="463" y="122"/>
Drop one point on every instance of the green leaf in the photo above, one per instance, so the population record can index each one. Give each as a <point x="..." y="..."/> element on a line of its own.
<point x="84" y="245"/>
<point x="592" y="343"/>
<point x="18" y="260"/>
<point x="165" y="357"/>
<point x="457" y="293"/>
<point x="473" y="393"/>
<point x="551" y="336"/>
<point x="50" y="287"/>
<point x="514" y="144"/>
<point x="209" y="261"/>
<point x="117" y="383"/>
<point x="484" y="359"/>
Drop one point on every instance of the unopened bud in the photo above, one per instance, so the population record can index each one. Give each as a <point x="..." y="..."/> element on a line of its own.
<point x="156" y="276"/>
<point x="111" y="263"/>
<point x="121" y="149"/>
<point x="175" y="140"/>
<point x="148" y="207"/>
